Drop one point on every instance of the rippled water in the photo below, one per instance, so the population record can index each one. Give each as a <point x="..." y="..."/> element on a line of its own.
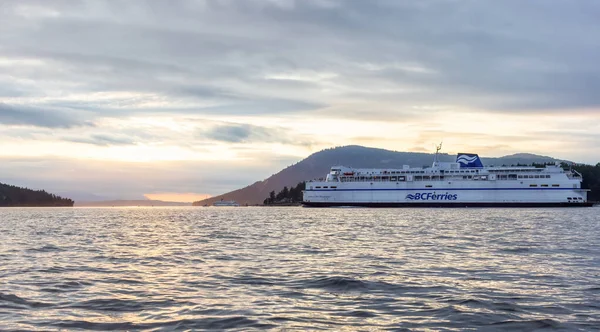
<point x="299" y="269"/>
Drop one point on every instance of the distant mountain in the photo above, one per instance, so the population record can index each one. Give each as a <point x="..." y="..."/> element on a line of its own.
<point x="318" y="164"/>
<point x="141" y="202"/>
<point x="17" y="196"/>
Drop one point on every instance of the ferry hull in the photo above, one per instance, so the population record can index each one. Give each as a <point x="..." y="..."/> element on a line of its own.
<point x="447" y="205"/>
<point x="466" y="183"/>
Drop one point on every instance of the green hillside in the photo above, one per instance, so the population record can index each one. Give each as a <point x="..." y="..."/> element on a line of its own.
<point x="17" y="196"/>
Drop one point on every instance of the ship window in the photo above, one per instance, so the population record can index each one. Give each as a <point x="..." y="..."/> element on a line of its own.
<point x="537" y="176"/>
<point x="418" y="178"/>
<point x="428" y="186"/>
<point x="484" y="177"/>
<point x="333" y="187"/>
<point x="385" y="178"/>
<point x="318" y="187"/>
<point x="544" y="185"/>
<point x="533" y="185"/>
<point x="426" y="177"/>
<point x="325" y="187"/>
<point x="520" y="176"/>
<point x="556" y="185"/>
<point x="401" y="178"/>
<point x="569" y="198"/>
<point x="547" y="176"/>
<point x="393" y="178"/>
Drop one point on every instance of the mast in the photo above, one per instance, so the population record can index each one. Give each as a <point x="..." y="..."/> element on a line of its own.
<point x="437" y="152"/>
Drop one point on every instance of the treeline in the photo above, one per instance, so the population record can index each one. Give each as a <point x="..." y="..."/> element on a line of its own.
<point x="591" y="180"/>
<point x="286" y="195"/>
<point x="17" y="196"/>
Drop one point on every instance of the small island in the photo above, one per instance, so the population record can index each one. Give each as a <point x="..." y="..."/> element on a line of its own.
<point x="13" y="196"/>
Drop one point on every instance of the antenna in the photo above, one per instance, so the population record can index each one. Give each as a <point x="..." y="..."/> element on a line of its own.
<point x="437" y="151"/>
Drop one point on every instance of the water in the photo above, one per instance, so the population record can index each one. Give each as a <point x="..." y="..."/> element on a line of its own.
<point x="299" y="269"/>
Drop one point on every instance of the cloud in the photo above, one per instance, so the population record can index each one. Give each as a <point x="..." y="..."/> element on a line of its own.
<point x="33" y="116"/>
<point x="248" y="133"/>
<point x="214" y="58"/>
<point x="101" y="140"/>
<point x="239" y="133"/>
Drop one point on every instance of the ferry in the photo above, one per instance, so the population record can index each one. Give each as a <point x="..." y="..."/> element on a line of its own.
<point x="226" y="203"/>
<point x="463" y="183"/>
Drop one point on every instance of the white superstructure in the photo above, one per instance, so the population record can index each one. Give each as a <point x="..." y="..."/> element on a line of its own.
<point x="465" y="182"/>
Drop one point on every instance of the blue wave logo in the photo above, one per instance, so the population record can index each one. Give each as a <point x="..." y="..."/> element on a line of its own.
<point x="464" y="159"/>
<point x="468" y="160"/>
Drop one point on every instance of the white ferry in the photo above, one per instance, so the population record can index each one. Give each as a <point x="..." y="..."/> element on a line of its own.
<point x="464" y="183"/>
<point x="226" y="203"/>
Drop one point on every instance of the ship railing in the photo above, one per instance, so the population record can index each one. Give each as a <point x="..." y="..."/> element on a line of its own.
<point x="573" y="174"/>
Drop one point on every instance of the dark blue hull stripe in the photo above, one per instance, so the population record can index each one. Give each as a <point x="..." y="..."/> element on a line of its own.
<point x="444" y="189"/>
<point x="446" y="204"/>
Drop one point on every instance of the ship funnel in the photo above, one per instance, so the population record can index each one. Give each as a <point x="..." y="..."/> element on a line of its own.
<point x="468" y="160"/>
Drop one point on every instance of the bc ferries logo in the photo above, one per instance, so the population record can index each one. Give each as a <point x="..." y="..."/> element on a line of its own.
<point x="468" y="160"/>
<point x="464" y="159"/>
<point x="431" y="197"/>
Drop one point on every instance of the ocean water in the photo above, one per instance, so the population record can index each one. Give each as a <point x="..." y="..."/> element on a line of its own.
<point x="299" y="269"/>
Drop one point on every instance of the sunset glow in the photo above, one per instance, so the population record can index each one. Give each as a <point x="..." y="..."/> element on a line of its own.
<point x="259" y="86"/>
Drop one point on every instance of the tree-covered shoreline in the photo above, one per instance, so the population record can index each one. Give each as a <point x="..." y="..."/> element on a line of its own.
<point x="13" y="196"/>
<point x="591" y="180"/>
<point x="287" y="196"/>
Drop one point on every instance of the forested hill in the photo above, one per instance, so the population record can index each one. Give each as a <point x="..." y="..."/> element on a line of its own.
<point x="17" y="196"/>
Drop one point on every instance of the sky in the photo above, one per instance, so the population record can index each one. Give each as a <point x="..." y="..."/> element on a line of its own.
<point x="180" y="100"/>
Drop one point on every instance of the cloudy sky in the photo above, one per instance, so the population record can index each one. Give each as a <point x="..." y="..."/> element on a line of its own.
<point x="123" y="99"/>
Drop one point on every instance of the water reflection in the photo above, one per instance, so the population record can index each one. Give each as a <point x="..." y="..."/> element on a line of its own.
<point x="258" y="268"/>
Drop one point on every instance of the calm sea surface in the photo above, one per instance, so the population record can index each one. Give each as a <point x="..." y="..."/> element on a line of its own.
<point x="299" y="269"/>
